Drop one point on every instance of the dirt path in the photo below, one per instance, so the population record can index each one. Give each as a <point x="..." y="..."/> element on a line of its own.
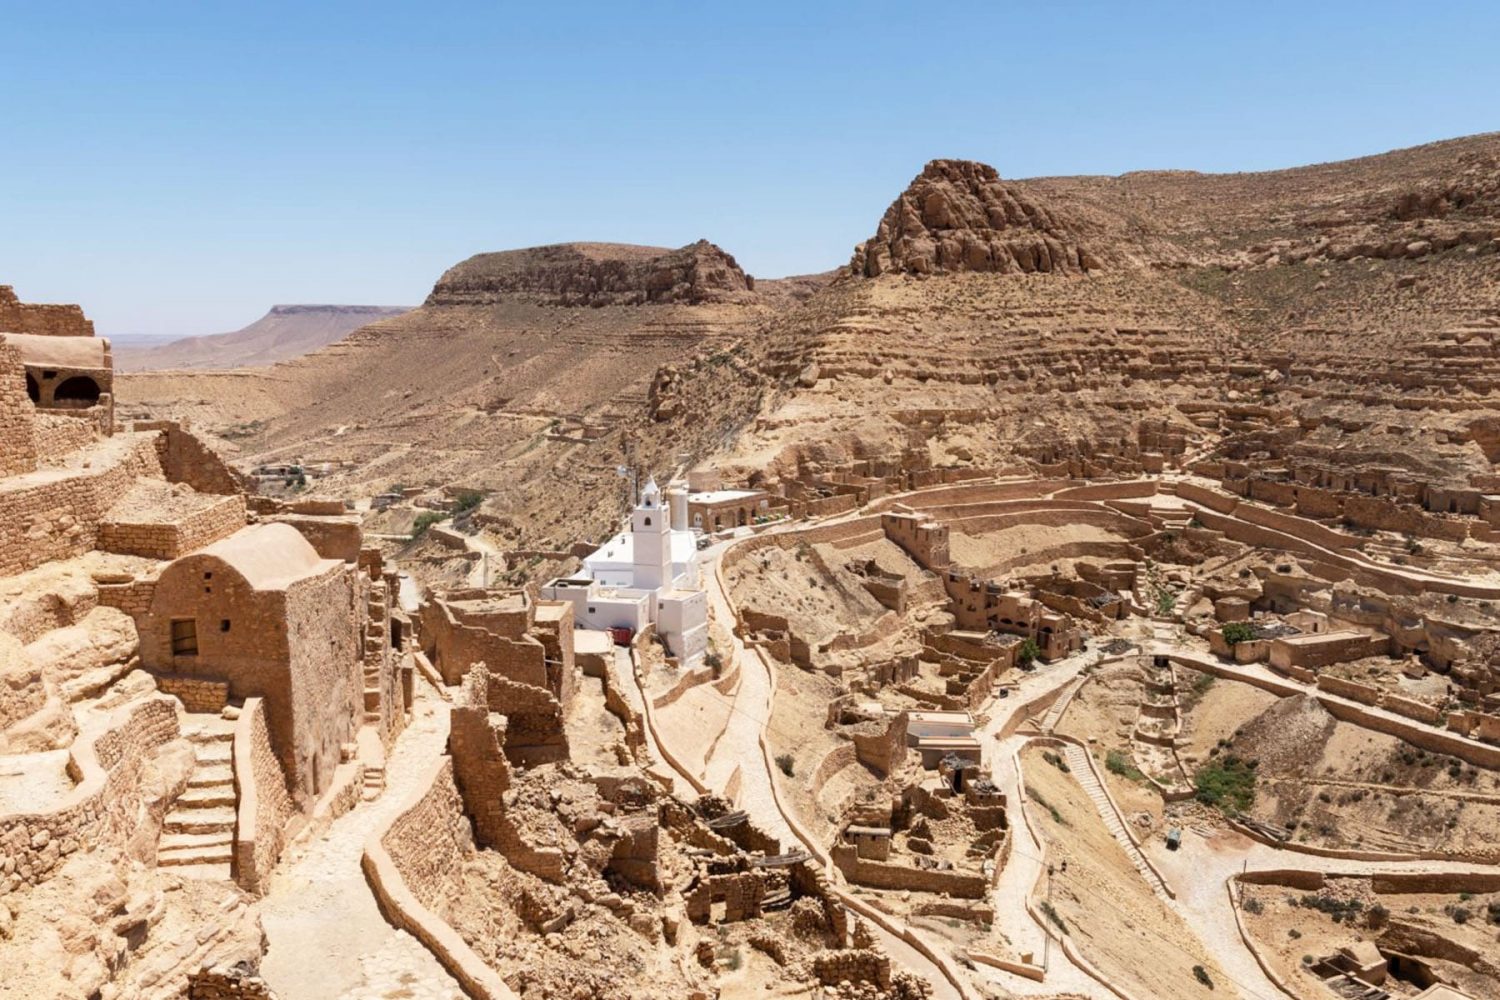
<point x="327" y="939"/>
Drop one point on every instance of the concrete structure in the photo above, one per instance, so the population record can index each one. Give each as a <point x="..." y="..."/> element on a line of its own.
<point x="647" y="574"/>
<point x="1325" y="649"/>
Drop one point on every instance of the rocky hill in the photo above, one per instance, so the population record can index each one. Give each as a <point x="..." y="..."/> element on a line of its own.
<point x="1058" y="324"/>
<point x="285" y="332"/>
<point x="958" y="215"/>
<point x="597" y="274"/>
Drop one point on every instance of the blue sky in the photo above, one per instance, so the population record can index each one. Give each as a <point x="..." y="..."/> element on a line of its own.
<point x="177" y="168"/>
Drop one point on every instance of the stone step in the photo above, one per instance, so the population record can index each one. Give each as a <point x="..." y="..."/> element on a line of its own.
<point x="207" y="796"/>
<point x="210" y="775"/>
<point x="372" y="699"/>
<point x="208" y="854"/>
<point x="219" y="819"/>
<point x="210" y="754"/>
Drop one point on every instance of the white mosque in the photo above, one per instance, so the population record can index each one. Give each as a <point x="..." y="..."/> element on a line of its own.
<point x="645" y="575"/>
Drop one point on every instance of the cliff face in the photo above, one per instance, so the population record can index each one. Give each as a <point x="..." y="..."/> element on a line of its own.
<point x="958" y="215"/>
<point x="597" y="274"/>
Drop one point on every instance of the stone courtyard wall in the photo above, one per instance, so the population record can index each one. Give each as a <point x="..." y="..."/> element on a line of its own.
<point x="104" y="807"/>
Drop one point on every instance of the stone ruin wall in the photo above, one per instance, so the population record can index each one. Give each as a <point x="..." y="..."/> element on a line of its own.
<point x="46" y="320"/>
<point x="430" y="842"/>
<point x="18" y="445"/>
<point x="105" y="808"/>
<point x="58" y="520"/>
<point x="265" y="807"/>
<point x="186" y="459"/>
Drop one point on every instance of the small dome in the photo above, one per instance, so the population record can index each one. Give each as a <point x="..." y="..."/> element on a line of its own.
<point x="650" y="494"/>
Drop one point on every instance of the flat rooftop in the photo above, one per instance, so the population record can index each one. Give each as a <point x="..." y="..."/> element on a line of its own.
<point x="1319" y="638"/>
<point x="724" y="496"/>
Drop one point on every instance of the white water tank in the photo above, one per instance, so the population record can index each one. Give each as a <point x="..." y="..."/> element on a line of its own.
<point x="677" y="501"/>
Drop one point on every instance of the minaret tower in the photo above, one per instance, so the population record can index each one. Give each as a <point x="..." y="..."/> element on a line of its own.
<point x="651" y="540"/>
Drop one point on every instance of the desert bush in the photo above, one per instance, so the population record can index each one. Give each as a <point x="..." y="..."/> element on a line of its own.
<point x="1119" y="764"/>
<point x="1238" y="632"/>
<point x="1226" y="783"/>
<point x="784" y="761"/>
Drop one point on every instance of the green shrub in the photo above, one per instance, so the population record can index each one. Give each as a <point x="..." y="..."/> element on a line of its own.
<point x="1226" y="783"/>
<point x="1238" y="632"/>
<point x="1201" y="974"/>
<point x="1056" y="761"/>
<point x="1051" y="914"/>
<point x="784" y="761"/>
<point x="425" y="520"/>
<point x="468" y="500"/>
<point x="1119" y="764"/>
<point x="1028" y="653"/>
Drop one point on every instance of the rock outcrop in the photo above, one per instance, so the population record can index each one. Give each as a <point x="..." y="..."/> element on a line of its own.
<point x="958" y="215"/>
<point x="597" y="274"/>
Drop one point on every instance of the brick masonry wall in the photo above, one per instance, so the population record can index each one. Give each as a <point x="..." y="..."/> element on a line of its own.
<point x="265" y="807"/>
<point x="104" y="808"/>
<point x="18" y="448"/>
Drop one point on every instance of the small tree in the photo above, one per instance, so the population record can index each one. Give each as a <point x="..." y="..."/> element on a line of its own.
<point x="1028" y="653"/>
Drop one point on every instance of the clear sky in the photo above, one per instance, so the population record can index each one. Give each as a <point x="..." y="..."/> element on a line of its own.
<point x="178" y="167"/>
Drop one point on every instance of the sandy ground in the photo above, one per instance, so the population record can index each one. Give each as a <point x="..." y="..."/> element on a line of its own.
<point x="326" y="937"/>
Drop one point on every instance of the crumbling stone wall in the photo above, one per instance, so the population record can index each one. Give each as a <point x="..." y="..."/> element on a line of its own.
<point x="18" y="449"/>
<point x="227" y="983"/>
<point x="186" y="459"/>
<point x="45" y="320"/>
<point x="59" y="519"/>
<point x="105" y="807"/>
<point x="880" y="875"/>
<point x="481" y="771"/>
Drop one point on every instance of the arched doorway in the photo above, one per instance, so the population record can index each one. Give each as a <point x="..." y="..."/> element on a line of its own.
<point x="33" y="391"/>
<point x="78" y="392"/>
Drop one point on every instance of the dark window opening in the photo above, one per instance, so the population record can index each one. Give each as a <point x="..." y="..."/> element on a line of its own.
<point x="33" y="391"/>
<point x="395" y="633"/>
<point x="591" y="611"/>
<point x="49" y="376"/>
<point x="79" y="391"/>
<point x="648" y="522"/>
<point x="184" y="637"/>
<point x="224" y="625"/>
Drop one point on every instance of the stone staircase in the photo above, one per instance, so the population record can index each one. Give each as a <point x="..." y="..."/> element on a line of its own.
<point x="376" y="640"/>
<point x="1082" y="769"/>
<point x="197" y="836"/>
<point x="1060" y="706"/>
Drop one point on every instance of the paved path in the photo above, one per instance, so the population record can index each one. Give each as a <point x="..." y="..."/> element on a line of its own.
<point x="327" y="938"/>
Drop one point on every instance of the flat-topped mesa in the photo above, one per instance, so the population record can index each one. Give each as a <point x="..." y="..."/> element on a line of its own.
<point x="958" y="215"/>
<point x="597" y="274"/>
<point x="42" y="320"/>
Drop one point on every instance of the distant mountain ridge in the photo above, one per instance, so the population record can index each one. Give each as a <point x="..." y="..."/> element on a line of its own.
<point x="287" y="331"/>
